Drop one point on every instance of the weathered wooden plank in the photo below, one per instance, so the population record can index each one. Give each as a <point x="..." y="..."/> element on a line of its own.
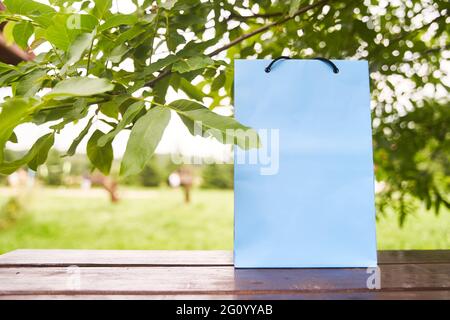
<point x="116" y="258"/>
<point x="177" y="258"/>
<point x="413" y="256"/>
<point x="215" y="280"/>
<point x="379" y="295"/>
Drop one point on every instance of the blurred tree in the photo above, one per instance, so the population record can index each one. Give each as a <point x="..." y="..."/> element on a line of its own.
<point x="11" y="210"/>
<point x="217" y="176"/>
<point x="190" y="45"/>
<point x="54" y="173"/>
<point x="151" y="175"/>
<point x="156" y="172"/>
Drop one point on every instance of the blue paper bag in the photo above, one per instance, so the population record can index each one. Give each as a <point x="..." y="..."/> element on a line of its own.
<point x="306" y="197"/>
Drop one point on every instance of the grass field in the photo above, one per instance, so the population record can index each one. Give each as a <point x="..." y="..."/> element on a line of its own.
<point x="158" y="219"/>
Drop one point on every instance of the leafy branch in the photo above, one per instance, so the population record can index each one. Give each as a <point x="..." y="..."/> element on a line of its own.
<point x="243" y="37"/>
<point x="78" y="75"/>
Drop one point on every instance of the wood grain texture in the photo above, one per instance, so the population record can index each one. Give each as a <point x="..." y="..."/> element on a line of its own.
<point x="413" y="256"/>
<point x="218" y="280"/>
<point x="116" y="258"/>
<point x="85" y="258"/>
<point x="81" y="274"/>
<point x="378" y="295"/>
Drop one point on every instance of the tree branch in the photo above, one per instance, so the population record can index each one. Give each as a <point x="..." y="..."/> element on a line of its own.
<point x="428" y="52"/>
<point x="300" y="11"/>
<point x="405" y="34"/>
<point x="239" y="17"/>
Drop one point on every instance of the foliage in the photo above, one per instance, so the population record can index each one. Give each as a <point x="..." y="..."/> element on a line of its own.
<point x="54" y="165"/>
<point x="151" y="175"/>
<point x="155" y="173"/>
<point x="189" y="46"/>
<point x="11" y="211"/>
<point x="82" y="71"/>
<point x="65" y="219"/>
<point x="412" y="157"/>
<point x="217" y="176"/>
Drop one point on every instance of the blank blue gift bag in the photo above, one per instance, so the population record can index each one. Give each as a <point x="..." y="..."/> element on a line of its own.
<point x="310" y="202"/>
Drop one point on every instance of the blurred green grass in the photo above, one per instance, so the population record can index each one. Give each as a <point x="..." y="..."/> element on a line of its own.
<point x="158" y="219"/>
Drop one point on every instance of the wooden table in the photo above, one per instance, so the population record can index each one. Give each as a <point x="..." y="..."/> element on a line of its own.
<point x="93" y="274"/>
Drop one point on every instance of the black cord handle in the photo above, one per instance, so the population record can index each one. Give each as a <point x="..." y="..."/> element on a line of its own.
<point x="328" y="62"/>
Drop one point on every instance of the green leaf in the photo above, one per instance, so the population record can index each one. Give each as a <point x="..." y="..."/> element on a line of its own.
<point x="174" y="39"/>
<point x="130" y="34"/>
<point x="13" y="112"/>
<point x="225" y="128"/>
<point x="229" y="80"/>
<point x="160" y="64"/>
<point x="76" y="142"/>
<point x="295" y="5"/>
<point x="118" y="20"/>
<point x="82" y="22"/>
<point x="77" y="49"/>
<point x="35" y="157"/>
<point x="193" y="48"/>
<point x="167" y="4"/>
<point x="39" y="37"/>
<point x="22" y="32"/>
<point x="42" y="149"/>
<point x="13" y="138"/>
<point x="8" y="32"/>
<point x="65" y="29"/>
<point x="194" y="128"/>
<point x="80" y="87"/>
<point x="117" y="53"/>
<point x="160" y="90"/>
<point x="192" y="91"/>
<point x="192" y="63"/>
<point x="144" y="138"/>
<point x="31" y="83"/>
<point x="78" y="110"/>
<point x="58" y="34"/>
<point x="100" y="157"/>
<point x="110" y="109"/>
<point x="128" y="117"/>
<point x="101" y="8"/>
<point x="4" y="67"/>
<point x="27" y="7"/>
<point x="218" y="82"/>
